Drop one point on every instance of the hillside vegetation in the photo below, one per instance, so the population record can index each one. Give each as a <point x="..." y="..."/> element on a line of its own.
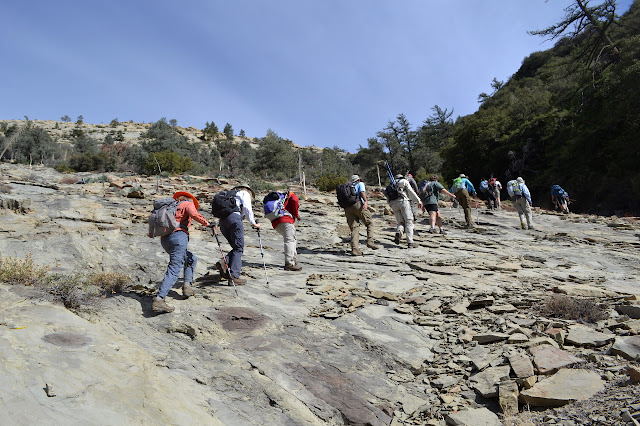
<point x="569" y="116"/>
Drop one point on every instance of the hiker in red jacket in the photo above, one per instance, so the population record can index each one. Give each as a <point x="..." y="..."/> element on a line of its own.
<point x="180" y="259"/>
<point x="284" y="225"/>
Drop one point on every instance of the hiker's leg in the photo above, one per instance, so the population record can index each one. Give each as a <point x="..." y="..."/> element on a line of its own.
<point x="408" y="220"/>
<point x="396" y="207"/>
<point x="288" y="232"/>
<point x="528" y="214"/>
<point x="233" y="230"/>
<point x="354" y="225"/>
<point x="520" y="209"/>
<point x="465" y="202"/>
<point x="432" y="218"/>
<point x="189" y="266"/>
<point x="438" y="219"/>
<point x="367" y="220"/>
<point x="175" y="245"/>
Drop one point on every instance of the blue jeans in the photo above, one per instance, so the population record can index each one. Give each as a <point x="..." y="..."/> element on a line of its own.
<point x="233" y="230"/>
<point x="179" y="259"/>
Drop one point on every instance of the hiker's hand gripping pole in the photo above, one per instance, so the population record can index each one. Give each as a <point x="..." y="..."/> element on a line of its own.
<point x="266" y="277"/>
<point x="224" y="259"/>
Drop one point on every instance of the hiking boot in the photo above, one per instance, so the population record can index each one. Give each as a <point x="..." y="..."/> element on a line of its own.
<point x="372" y="245"/>
<point x="160" y="306"/>
<point x="292" y="268"/>
<point x="531" y="228"/>
<point x="224" y="273"/>
<point x="187" y="291"/>
<point x="523" y="226"/>
<point x="356" y="252"/>
<point x="442" y="231"/>
<point x="237" y="281"/>
<point x="396" y="239"/>
<point x="432" y="230"/>
<point x="411" y="245"/>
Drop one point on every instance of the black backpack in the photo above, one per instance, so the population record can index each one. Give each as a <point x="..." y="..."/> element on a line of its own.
<point x="392" y="191"/>
<point x="347" y="195"/>
<point x="224" y="203"/>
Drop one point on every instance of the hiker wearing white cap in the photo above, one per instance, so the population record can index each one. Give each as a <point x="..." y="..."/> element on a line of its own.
<point x="399" y="201"/>
<point x="521" y="197"/>
<point x="359" y="212"/>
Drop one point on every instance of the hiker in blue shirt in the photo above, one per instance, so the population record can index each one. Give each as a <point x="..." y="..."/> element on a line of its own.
<point x="463" y="189"/>
<point x="560" y="198"/>
<point x="359" y="212"/>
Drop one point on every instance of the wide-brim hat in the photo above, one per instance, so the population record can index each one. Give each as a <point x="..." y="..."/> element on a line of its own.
<point x="519" y="180"/>
<point x="398" y="176"/>
<point x="186" y="194"/>
<point x="462" y="175"/>
<point x="247" y="187"/>
<point x="354" y="178"/>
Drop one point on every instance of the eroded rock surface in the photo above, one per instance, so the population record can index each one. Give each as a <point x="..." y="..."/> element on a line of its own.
<point x="397" y="336"/>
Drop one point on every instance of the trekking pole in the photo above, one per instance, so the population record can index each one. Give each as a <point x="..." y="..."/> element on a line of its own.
<point x="477" y="218"/>
<point x="224" y="259"/>
<point x="390" y="173"/>
<point x="266" y="277"/>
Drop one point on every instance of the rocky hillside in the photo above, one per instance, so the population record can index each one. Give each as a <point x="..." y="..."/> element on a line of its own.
<point x="465" y="329"/>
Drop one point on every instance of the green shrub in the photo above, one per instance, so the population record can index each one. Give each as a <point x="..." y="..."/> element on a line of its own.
<point x="329" y="182"/>
<point x="169" y="161"/>
<point x="63" y="168"/>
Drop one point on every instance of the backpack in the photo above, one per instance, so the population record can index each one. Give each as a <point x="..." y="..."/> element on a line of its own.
<point x="426" y="190"/>
<point x="458" y="184"/>
<point x="557" y="191"/>
<point x="347" y="195"/>
<point x="392" y="191"/>
<point x="484" y="186"/>
<point x="224" y="203"/>
<point x="492" y="182"/>
<point x="162" y="220"/>
<point x="515" y="187"/>
<point x="274" y="205"/>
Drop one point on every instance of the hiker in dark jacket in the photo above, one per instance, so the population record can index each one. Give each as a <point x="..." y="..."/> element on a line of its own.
<point x="180" y="259"/>
<point x="233" y="230"/>
<point x="285" y="226"/>
<point x="359" y="212"/>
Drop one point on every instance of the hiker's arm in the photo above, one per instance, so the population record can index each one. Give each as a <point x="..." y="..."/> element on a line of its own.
<point x="193" y="213"/>
<point x="365" y="204"/>
<point x="448" y="193"/>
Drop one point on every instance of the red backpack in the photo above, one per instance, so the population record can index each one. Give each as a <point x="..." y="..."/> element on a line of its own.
<point x="492" y="182"/>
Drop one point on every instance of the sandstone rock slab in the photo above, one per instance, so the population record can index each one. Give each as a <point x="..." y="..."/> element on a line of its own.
<point x="565" y="386"/>
<point x="473" y="417"/>
<point x="581" y="335"/>
<point x="549" y="359"/>
<point x="486" y="382"/>
<point x="627" y="347"/>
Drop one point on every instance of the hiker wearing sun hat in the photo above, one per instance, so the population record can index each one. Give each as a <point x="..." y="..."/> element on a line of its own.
<point x="463" y="189"/>
<point x="232" y="228"/>
<point x="359" y="212"/>
<point x="175" y="244"/>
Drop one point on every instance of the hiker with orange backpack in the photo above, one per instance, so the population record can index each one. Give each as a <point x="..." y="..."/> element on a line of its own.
<point x="180" y="259"/>
<point x="282" y="210"/>
<point x="496" y="187"/>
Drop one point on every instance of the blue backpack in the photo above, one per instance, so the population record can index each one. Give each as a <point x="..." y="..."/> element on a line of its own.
<point x="274" y="205"/>
<point x="484" y="186"/>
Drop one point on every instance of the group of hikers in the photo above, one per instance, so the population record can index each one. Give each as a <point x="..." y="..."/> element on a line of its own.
<point x="231" y="208"/>
<point x="281" y="208"/>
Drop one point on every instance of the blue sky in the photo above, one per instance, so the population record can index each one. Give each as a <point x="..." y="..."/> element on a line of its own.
<point x="319" y="72"/>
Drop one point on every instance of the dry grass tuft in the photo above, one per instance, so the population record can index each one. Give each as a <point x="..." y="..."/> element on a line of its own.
<point x="110" y="282"/>
<point x="563" y="306"/>
<point x="68" y="180"/>
<point x="74" y="291"/>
